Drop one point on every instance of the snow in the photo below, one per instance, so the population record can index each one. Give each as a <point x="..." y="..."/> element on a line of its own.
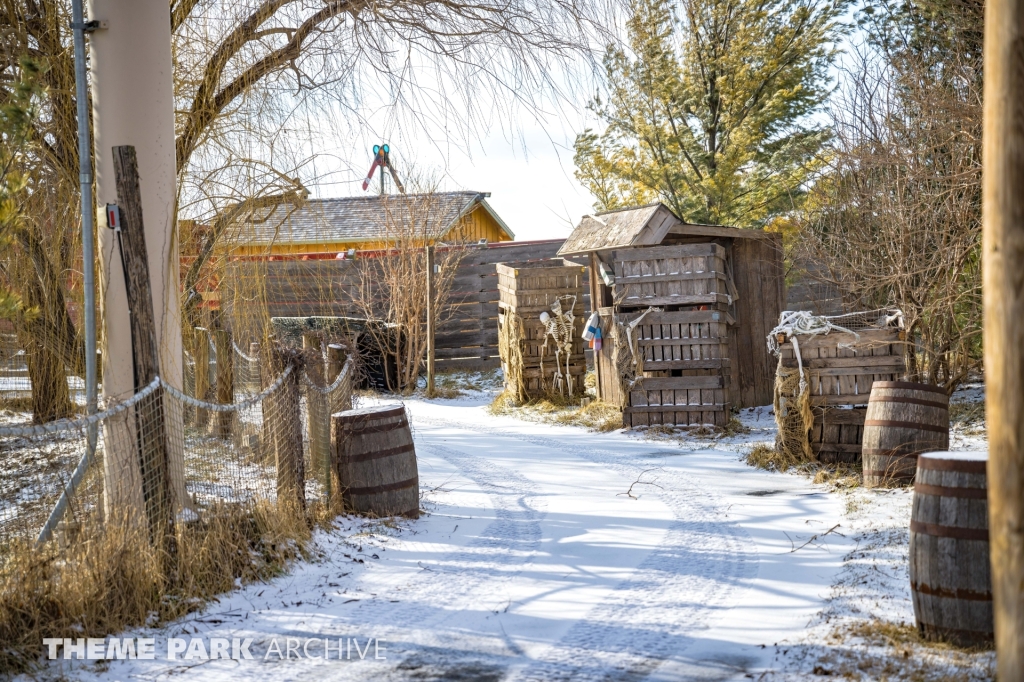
<point x="548" y="552"/>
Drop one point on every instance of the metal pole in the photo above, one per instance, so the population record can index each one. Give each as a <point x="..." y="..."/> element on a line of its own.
<point x="88" y="214"/>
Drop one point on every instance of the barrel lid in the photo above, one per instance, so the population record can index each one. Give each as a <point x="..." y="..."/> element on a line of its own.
<point x="964" y="462"/>
<point x="909" y="385"/>
<point x="385" y="410"/>
<point x="965" y="455"/>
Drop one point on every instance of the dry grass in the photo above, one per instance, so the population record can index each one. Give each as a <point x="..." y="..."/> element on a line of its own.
<point x="110" y="578"/>
<point x="967" y="417"/>
<point x="597" y="416"/>
<point x="836" y="476"/>
<point x="764" y="456"/>
<point x="455" y="383"/>
<point x="556" y="409"/>
<point x="881" y="650"/>
<point x="903" y="637"/>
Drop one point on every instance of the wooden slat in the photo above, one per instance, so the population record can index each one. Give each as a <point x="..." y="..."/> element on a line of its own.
<point x="675" y="251"/>
<point x="691" y="299"/>
<point x="679" y="317"/>
<point x="659" y="365"/>
<point x="679" y="383"/>
<point x="854" y="372"/>
<point x="675" y="408"/>
<point x="679" y="276"/>
<point x="859" y="361"/>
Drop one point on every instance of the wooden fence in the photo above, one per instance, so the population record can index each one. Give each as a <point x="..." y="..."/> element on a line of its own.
<point x="467" y="337"/>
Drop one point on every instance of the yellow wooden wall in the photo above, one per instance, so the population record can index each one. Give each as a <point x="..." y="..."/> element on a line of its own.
<point x="479" y="224"/>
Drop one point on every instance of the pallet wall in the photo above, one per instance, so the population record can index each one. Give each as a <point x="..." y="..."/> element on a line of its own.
<point x="468" y="339"/>
<point x="840" y="368"/>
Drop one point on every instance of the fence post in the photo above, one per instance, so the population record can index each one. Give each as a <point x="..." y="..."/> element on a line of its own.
<point x="1003" y="251"/>
<point x="151" y="435"/>
<point x="254" y="365"/>
<point x="284" y="426"/>
<point x="431" y="314"/>
<point x="318" y="412"/>
<point x="201" y="357"/>
<point x="220" y="422"/>
<point x="337" y="356"/>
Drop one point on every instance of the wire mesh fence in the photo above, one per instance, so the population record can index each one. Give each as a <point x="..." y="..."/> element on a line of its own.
<point x="172" y="454"/>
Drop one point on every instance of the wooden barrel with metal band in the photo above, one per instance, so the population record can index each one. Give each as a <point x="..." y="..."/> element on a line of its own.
<point x="375" y="461"/>
<point x="903" y="420"/>
<point x="950" y="579"/>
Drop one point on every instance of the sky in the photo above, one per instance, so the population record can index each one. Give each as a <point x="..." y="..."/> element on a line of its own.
<point x="526" y="164"/>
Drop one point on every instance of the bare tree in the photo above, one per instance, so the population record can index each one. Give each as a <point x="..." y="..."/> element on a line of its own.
<point x="248" y="75"/>
<point x="896" y="220"/>
<point x="393" y="283"/>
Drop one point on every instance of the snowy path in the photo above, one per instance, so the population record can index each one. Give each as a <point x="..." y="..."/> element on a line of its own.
<point x="534" y="564"/>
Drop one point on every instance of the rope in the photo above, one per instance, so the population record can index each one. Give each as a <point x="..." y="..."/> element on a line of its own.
<point x="218" y="407"/>
<point x="77" y="424"/>
<point x="342" y="375"/>
<point x="238" y="351"/>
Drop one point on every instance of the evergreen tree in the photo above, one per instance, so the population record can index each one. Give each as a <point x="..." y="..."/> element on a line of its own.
<point x="710" y="110"/>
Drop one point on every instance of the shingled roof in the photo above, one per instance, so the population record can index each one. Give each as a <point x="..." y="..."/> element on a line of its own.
<point x="641" y="226"/>
<point x="634" y="226"/>
<point x="365" y="218"/>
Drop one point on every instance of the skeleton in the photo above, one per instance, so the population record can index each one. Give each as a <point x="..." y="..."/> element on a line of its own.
<point x="558" y="326"/>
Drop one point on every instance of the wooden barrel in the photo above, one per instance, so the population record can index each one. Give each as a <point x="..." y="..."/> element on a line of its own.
<point x="375" y="461"/>
<point x="903" y="420"/>
<point x="950" y="579"/>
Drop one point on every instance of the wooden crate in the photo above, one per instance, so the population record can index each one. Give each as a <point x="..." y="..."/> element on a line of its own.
<point x="528" y="289"/>
<point x="531" y="287"/>
<point x="682" y="340"/>
<point x="680" y="275"/>
<point x="677" y="401"/>
<point x="840" y="368"/>
<point x="685" y="367"/>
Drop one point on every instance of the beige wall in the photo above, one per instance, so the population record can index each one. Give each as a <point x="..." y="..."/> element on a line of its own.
<point x="132" y="97"/>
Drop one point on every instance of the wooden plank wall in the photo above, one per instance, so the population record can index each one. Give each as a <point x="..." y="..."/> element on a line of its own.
<point x="759" y="276"/>
<point x="467" y="338"/>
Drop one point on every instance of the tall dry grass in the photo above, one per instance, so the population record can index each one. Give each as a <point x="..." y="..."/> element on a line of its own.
<point x="110" y="578"/>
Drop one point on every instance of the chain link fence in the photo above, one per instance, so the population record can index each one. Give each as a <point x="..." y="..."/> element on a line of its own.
<point x="172" y="453"/>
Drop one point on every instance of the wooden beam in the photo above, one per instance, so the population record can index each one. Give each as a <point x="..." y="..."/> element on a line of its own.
<point x="431" y="321"/>
<point x="1003" y="291"/>
<point x="220" y="423"/>
<point x="717" y="231"/>
<point x="150" y="430"/>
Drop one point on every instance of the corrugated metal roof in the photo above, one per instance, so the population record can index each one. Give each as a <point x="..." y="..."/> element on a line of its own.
<point x="364" y="218"/>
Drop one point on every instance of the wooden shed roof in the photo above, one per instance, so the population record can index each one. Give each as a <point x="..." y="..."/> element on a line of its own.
<point x="640" y="226"/>
<point x="364" y="218"/>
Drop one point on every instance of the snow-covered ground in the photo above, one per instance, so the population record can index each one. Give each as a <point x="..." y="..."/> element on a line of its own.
<point x="552" y="553"/>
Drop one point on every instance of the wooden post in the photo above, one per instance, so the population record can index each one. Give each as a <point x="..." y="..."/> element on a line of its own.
<point x="318" y="412"/>
<point x="253" y="375"/>
<point x="201" y="355"/>
<point x="431" y="314"/>
<point x="337" y="355"/>
<point x="283" y="427"/>
<point x="594" y="280"/>
<point x="150" y="430"/>
<point x="220" y="422"/>
<point x="1003" y="289"/>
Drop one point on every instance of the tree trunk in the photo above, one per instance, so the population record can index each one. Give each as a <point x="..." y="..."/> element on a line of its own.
<point x="50" y="397"/>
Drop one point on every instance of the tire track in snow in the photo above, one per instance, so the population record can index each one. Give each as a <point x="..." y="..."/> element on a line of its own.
<point x="467" y="579"/>
<point x="654" y="614"/>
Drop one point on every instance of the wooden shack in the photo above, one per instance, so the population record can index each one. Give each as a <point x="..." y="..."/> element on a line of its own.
<point x="534" y="361"/>
<point x="719" y="290"/>
<point x="839" y="368"/>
